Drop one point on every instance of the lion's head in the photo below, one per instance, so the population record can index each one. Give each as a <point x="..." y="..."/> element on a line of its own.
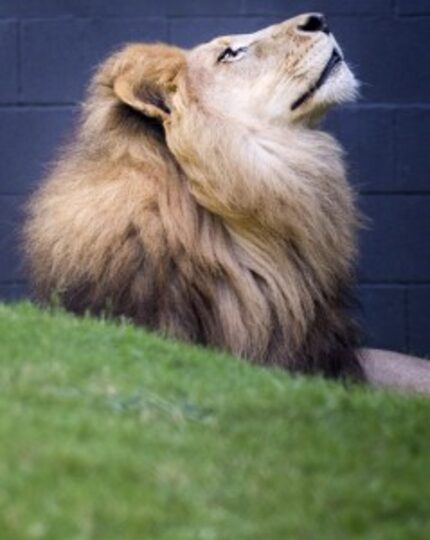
<point x="199" y="198"/>
<point x="282" y="74"/>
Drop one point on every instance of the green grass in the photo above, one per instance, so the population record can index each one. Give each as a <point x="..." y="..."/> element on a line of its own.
<point x="108" y="432"/>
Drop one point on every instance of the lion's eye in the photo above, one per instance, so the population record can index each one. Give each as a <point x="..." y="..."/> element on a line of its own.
<point x="229" y="54"/>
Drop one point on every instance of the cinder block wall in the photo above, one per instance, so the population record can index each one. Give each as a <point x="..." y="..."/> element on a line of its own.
<point x="48" y="48"/>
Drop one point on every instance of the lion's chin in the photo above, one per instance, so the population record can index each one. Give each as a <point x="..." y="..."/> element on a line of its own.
<point x="341" y="87"/>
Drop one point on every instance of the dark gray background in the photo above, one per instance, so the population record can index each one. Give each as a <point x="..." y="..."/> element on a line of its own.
<point x="47" y="51"/>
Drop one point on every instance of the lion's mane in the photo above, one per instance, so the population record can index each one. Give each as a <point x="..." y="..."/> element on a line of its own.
<point x="205" y="230"/>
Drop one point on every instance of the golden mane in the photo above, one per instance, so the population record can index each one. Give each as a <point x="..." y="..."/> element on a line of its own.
<point x="208" y="230"/>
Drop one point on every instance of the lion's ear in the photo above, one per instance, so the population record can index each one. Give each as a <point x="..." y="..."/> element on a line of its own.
<point x="145" y="97"/>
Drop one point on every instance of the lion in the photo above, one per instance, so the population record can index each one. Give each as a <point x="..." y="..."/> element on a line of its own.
<point x="199" y="198"/>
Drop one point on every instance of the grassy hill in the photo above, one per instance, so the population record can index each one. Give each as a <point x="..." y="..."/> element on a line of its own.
<point x="108" y="432"/>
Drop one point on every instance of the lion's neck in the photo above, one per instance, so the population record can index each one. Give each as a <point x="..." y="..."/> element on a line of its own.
<point x="271" y="187"/>
<point x="282" y="197"/>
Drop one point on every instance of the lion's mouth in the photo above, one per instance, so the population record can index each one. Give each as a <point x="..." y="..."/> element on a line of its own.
<point x="334" y="61"/>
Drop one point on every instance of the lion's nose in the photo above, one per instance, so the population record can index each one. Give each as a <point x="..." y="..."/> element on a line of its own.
<point x="316" y="22"/>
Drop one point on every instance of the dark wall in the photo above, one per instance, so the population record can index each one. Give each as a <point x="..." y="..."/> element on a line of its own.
<point x="47" y="50"/>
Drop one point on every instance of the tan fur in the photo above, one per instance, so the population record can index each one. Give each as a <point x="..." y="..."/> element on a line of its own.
<point x="222" y="226"/>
